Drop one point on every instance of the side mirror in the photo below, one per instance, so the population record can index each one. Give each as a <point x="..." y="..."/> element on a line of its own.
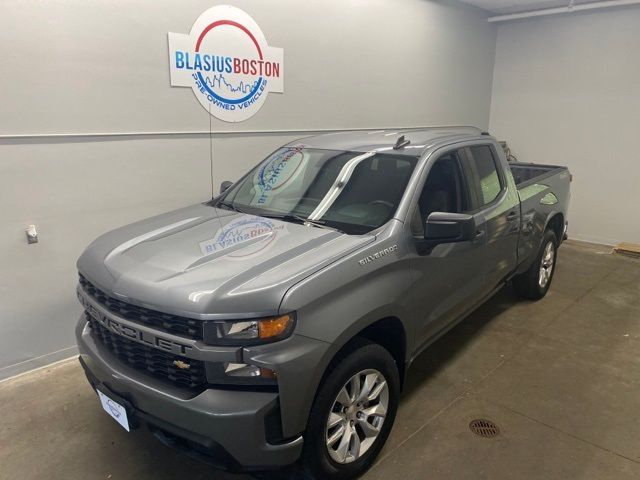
<point x="224" y="186"/>
<point x="444" y="227"/>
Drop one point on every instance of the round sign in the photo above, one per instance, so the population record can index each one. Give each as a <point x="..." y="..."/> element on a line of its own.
<point x="226" y="61"/>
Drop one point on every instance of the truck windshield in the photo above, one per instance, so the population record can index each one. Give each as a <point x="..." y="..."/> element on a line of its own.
<point x="351" y="191"/>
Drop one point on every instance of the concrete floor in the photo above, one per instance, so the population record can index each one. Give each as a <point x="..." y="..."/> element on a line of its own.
<point x="561" y="378"/>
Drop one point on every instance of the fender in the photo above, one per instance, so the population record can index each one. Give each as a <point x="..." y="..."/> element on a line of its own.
<point x="349" y="333"/>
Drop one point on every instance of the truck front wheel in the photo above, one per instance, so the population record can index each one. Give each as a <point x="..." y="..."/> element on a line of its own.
<point x="352" y="414"/>
<point x="535" y="282"/>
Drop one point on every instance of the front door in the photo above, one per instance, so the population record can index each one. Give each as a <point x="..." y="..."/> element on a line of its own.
<point x="450" y="277"/>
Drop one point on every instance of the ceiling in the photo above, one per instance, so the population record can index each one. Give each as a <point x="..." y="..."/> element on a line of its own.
<point x="516" y="6"/>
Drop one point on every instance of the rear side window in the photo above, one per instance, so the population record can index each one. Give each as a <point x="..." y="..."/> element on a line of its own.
<point x="484" y="174"/>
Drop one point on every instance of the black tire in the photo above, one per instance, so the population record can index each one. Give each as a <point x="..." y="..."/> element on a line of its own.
<point x="316" y="461"/>
<point x="527" y="284"/>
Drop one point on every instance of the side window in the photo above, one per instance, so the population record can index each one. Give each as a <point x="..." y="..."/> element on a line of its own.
<point x="443" y="191"/>
<point x="484" y="175"/>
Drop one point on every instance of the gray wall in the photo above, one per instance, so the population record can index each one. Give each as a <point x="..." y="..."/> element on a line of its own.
<point x="567" y="91"/>
<point x="74" y="67"/>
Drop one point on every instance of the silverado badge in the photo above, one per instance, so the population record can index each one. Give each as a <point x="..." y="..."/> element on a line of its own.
<point x="378" y="255"/>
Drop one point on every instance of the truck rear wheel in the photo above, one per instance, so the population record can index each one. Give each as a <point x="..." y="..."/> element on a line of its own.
<point x="535" y="282"/>
<point x="352" y="414"/>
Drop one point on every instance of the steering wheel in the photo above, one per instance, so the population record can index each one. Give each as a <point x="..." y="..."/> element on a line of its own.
<point x="381" y="202"/>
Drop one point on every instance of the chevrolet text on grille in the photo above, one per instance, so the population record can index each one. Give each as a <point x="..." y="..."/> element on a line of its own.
<point x="133" y="333"/>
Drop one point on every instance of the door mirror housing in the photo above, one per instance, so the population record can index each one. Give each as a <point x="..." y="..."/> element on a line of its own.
<point x="224" y="186"/>
<point x="445" y="227"/>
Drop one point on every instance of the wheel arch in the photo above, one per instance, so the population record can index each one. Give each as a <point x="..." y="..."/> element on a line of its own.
<point x="555" y="222"/>
<point x="387" y="331"/>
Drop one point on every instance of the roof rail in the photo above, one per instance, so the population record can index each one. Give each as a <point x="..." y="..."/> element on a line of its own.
<point x="470" y="127"/>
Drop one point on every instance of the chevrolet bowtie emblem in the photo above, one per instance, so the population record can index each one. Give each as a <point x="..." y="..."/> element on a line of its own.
<point x="181" y="365"/>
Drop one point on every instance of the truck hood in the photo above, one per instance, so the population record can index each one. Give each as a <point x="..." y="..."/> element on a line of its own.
<point x="201" y="261"/>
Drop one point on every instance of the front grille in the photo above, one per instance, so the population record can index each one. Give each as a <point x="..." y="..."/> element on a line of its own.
<point x="182" y="326"/>
<point x="146" y="359"/>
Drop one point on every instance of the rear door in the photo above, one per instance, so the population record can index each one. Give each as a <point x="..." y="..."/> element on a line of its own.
<point x="496" y="207"/>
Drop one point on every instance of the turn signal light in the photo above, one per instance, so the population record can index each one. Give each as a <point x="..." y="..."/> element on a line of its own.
<point x="268" y="373"/>
<point x="243" y="374"/>
<point x="274" y="327"/>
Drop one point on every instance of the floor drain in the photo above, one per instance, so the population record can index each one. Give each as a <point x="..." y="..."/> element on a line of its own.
<point x="484" y="428"/>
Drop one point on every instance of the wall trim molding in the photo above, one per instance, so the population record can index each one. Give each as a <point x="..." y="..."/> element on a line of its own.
<point x="36" y="363"/>
<point x="27" y="136"/>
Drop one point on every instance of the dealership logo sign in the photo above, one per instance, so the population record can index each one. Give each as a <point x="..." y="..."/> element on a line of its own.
<point x="226" y="61"/>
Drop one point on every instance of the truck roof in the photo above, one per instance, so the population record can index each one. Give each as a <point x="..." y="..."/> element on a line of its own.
<point x="367" y="140"/>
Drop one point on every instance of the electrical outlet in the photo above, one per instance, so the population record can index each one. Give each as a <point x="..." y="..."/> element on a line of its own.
<point x="32" y="234"/>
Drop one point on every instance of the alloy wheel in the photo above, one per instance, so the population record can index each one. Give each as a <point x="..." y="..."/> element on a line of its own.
<point x="546" y="266"/>
<point x="357" y="415"/>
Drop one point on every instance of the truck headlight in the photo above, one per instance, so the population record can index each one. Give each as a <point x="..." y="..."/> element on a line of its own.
<point x="248" y="332"/>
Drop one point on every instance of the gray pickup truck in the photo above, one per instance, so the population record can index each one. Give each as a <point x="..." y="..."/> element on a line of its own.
<point x="275" y="322"/>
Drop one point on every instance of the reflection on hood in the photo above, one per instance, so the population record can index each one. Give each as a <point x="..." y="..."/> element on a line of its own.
<point x="244" y="238"/>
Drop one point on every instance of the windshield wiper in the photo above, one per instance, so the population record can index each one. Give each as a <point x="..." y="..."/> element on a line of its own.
<point x="290" y="217"/>
<point x="230" y="206"/>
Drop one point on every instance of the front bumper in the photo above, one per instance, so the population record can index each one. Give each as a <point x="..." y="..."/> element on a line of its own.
<point x="229" y="425"/>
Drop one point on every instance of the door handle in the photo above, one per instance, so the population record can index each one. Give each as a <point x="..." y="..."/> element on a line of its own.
<point x="512" y="216"/>
<point x="479" y="234"/>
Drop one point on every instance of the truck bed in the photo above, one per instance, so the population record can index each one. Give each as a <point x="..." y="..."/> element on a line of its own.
<point x="543" y="192"/>
<point x="526" y="174"/>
